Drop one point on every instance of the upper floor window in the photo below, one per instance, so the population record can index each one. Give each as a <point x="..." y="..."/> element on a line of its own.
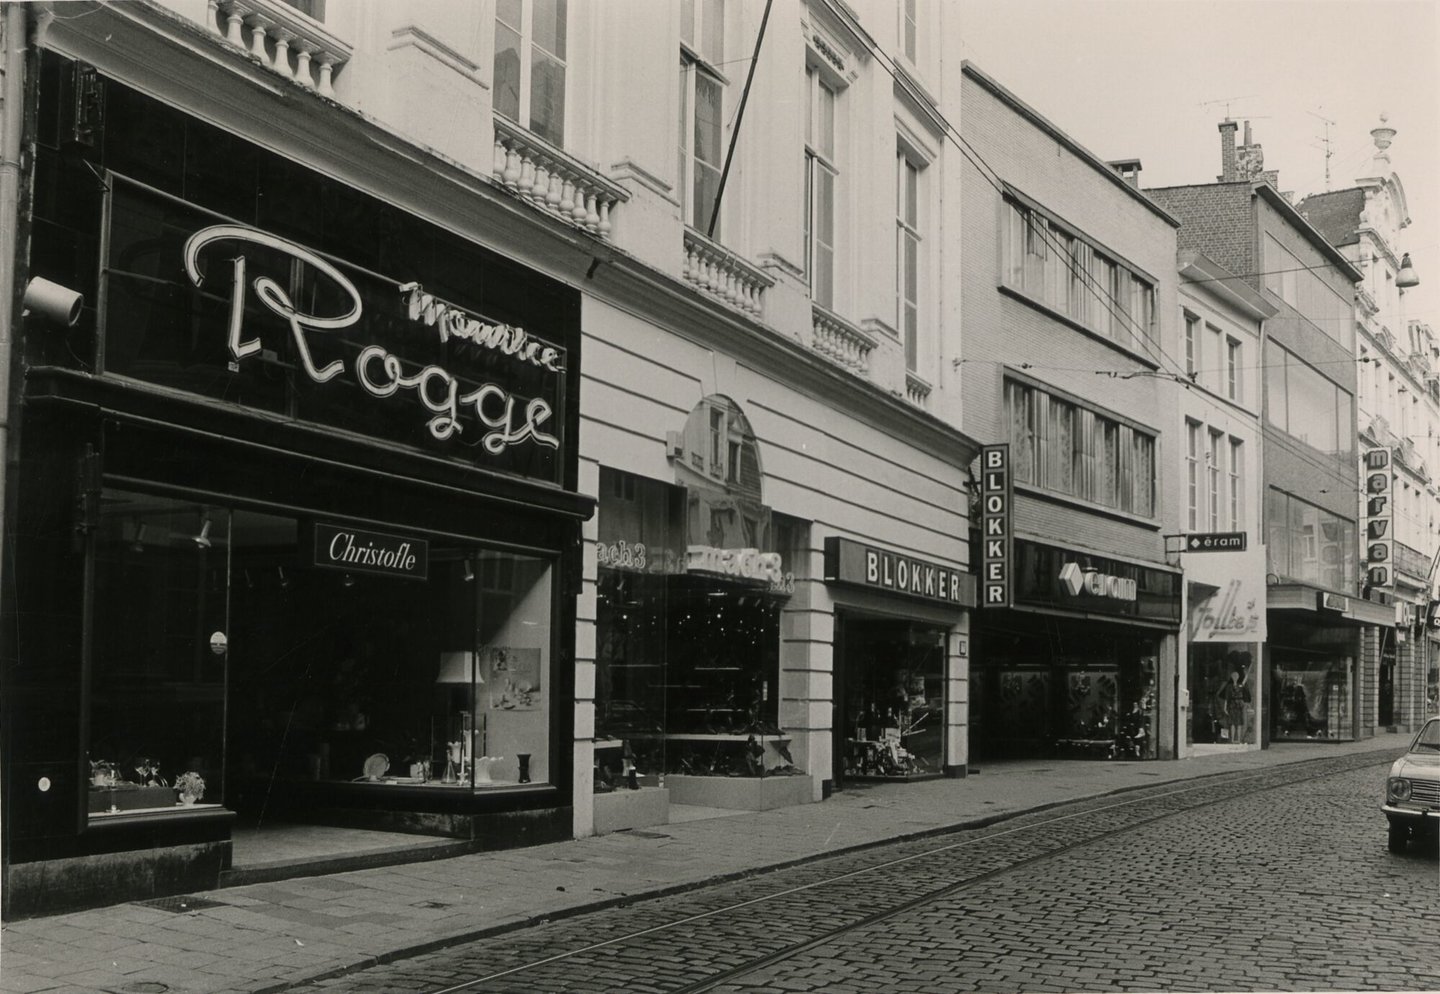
<point x="702" y="93"/>
<point x="1308" y="543"/>
<point x="1192" y="345"/>
<point x="530" y="65"/>
<point x="1214" y="475"/>
<point x="1059" y="446"/>
<point x="1192" y="475"/>
<point x="1237" y="484"/>
<point x="1232" y="369"/>
<point x="1064" y="271"/>
<point x="310" y="8"/>
<point x="909" y="34"/>
<point x="907" y="256"/>
<point x="1303" y="403"/>
<point x="821" y="175"/>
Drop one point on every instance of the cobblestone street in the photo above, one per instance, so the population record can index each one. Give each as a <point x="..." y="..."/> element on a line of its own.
<point x="1275" y="881"/>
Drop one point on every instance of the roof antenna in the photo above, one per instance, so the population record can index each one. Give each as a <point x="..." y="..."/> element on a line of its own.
<point x="1325" y="144"/>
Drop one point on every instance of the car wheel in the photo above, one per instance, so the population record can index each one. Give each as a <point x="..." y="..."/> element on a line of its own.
<point x="1398" y="836"/>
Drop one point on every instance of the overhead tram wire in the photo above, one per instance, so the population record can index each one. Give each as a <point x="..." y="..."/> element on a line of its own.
<point x="988" y="173"/>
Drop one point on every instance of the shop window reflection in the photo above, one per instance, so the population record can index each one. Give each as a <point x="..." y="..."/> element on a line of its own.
<point x="157" y="688"/>
<point x="314" y="675"/>
<point x="893" y="698"/>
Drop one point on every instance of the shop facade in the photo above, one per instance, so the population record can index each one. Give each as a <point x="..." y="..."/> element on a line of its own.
<point x="1318" y="649"/>
<point x="1076" y="667"/>
<point x="728" y="659"/>
<point x="900" y="657"/>
<point x="295" y="512"/>
<point x="1225" y="640"/>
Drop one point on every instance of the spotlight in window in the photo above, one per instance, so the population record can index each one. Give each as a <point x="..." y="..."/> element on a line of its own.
<point x="203" y="539"/>
<point x="284" y="580"/>
<point x="349" y="580"/>
<point x="469" y="572"/>
<point x="138" y="545"/>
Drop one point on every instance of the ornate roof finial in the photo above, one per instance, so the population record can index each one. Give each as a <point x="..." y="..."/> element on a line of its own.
<point x="1383" y="136"/>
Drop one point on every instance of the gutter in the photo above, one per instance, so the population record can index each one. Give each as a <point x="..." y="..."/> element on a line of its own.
<point x="12" y="120"/>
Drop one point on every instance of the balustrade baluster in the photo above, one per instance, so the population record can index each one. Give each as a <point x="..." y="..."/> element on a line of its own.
<point x="303" y="54"/>
<point x="283" y="39"/>
<point x="327" y="69"/>
<point x="498" y="159"/>
<point x="257" y="40"/>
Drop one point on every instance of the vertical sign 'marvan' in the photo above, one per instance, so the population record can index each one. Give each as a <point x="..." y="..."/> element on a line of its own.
<point x="996" y="534"/>
<point x="1377" y="469"/>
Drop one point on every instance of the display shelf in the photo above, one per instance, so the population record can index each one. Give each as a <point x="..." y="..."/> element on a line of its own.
<point x="710" y="737"/>
<point x="609" y="744"/>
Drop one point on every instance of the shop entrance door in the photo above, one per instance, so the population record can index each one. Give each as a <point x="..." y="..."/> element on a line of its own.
<point x="1387" y="686"/>
<point x="890" y="696"/>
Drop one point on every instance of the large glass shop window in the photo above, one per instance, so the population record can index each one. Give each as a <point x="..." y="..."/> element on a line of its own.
<point x="1223" y="693"/>
<point x="157" y="688"/>
<point x="894" y="698"/>
<point x="339" y="671"/>
<point x="688" y="641"/>
<point x="1311" y="696"/>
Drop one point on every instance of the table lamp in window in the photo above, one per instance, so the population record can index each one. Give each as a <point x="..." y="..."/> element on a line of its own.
<point x="460" y="675"/>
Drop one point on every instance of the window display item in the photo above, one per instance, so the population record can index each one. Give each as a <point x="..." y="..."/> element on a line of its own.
<point x="190" y="786"/>
<point x="376" y="766"/>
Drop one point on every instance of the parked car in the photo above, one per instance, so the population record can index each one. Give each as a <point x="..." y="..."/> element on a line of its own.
<point x="1412" y="791"/>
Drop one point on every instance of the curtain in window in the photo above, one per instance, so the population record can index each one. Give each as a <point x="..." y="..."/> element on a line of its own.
<point x="1062" y="451"/>
<point x="1017" y="429"/>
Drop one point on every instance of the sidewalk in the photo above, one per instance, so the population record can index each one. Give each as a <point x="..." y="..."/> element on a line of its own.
<point x="259" y="937"/>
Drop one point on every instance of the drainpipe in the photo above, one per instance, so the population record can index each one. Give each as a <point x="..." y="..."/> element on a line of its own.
<point x="12" y="119"/>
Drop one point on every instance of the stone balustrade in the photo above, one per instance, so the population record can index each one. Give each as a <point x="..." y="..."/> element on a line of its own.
<point x="549" y="179"/>
<point x="917" y="391"/>
<point x="840" y="341"/>
<point x="283" y="39"/>
<point x="723" y="274"/>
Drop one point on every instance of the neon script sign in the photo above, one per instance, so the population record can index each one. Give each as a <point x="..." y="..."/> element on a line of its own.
<point x="506" y="419"/>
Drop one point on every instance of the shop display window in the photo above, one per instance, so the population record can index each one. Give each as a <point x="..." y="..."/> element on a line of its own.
<point x="1223" y="694"/>
<point x="893" y="690"/>
<point x="224" y="648"/>
<point x="1311" y="696"/>
<point x="157" y="687"/>
<point x="1031" y="701"/>
<point x="688" y="635"/>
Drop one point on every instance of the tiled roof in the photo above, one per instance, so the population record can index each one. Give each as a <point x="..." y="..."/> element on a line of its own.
<point x="1336" y="214"/>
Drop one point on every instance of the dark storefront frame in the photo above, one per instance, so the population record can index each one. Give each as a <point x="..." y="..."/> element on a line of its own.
<point x="1084" y="649"/>
<point x="79" y="432"/>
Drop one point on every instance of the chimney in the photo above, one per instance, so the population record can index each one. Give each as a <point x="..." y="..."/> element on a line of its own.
<point x="1227" y="151"/>
<point x="1129" y="170"/>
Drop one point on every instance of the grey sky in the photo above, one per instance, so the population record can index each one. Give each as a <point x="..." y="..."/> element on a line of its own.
<point x="1150" y="79"/>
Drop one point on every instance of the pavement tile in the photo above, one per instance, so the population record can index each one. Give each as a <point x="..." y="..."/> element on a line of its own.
<point x="344" y="918"/>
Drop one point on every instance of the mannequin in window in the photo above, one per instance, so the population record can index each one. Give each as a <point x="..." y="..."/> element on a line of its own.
<point x="1231" y="701"/>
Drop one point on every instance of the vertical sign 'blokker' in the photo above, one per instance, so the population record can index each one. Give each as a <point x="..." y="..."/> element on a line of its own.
<point x="997" y="496"/>
<point x="1377" y="472"/>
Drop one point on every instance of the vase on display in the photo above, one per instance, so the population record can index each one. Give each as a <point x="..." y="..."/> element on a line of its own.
<point x="187" y="799"/>
<point x="524" y="759"/>
<point x="482" y="766"/>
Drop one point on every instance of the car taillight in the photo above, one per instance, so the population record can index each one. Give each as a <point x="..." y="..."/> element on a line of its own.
<point x="1398" y="789"/>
